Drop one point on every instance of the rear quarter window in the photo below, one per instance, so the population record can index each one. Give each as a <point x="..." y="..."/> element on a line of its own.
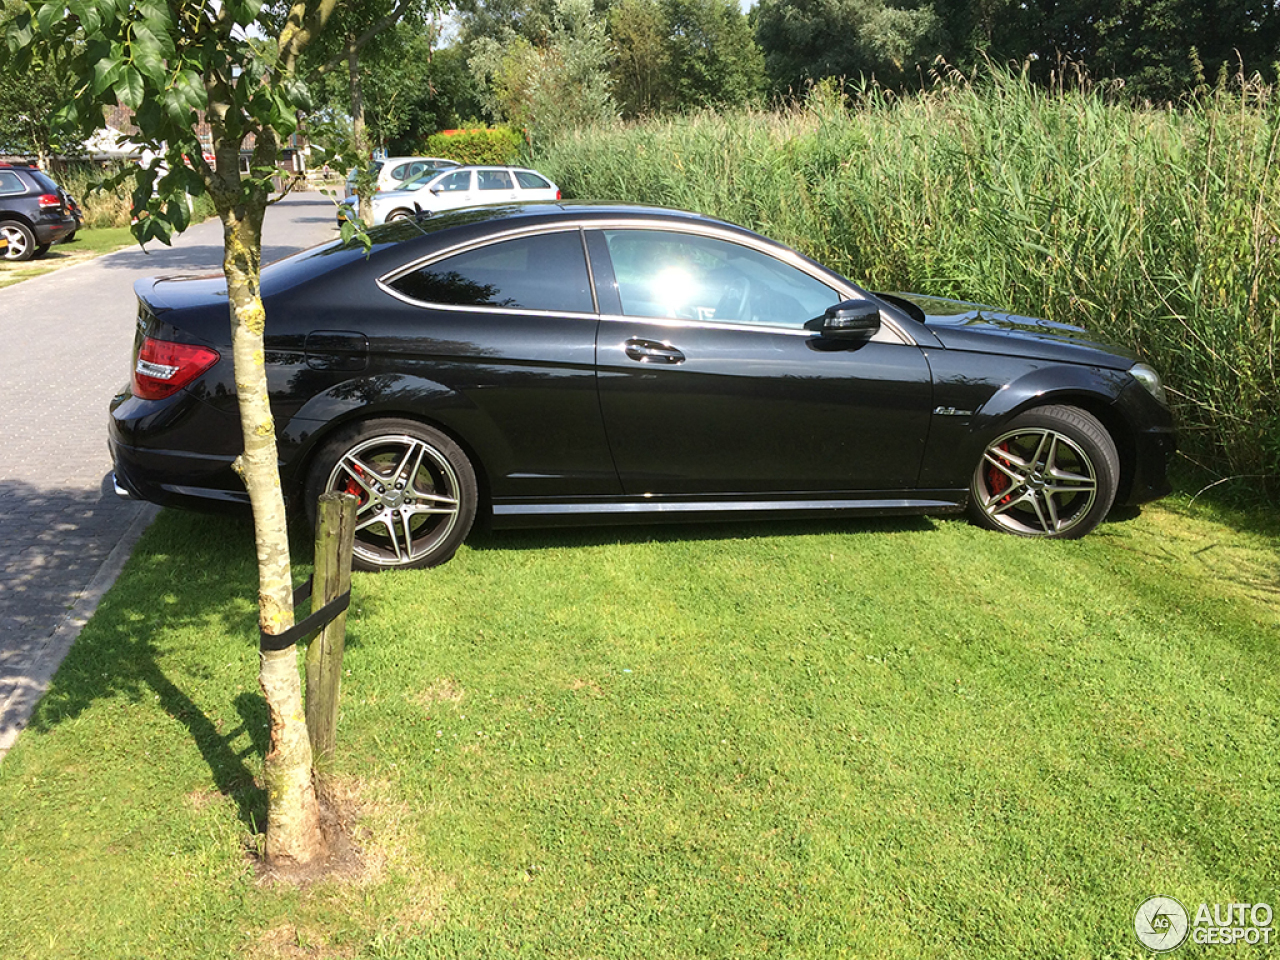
<point x="531" y="181"/>
<point x="43" y="182"/>
<point x="545" y="272"/>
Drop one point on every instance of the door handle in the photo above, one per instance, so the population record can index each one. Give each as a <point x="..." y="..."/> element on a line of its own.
<point x="650" y="351"/>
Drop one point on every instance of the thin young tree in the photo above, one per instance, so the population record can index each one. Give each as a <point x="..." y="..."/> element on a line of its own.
<point x="175" y="64"/>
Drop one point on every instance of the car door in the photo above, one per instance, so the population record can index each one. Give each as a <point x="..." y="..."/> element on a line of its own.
<point x="710" y="382"/>
<point x="495" y="186"/>
<point x="453" y="190"/>
<point x="507" y="330"/>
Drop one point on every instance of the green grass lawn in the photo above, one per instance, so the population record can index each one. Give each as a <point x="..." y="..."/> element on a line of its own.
<point x="86" y="245"/>
<point x="865" y="739"/>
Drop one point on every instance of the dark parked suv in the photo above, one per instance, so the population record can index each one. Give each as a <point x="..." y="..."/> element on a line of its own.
<point x="33" y="212"/>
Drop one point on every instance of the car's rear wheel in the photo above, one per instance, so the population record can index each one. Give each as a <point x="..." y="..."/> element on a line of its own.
<point x="1051" y="473"/>
<point x="22" y="242"/>
<point x="416" y="490"/>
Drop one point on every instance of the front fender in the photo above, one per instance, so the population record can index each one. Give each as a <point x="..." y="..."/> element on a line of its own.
<point x="971" y="408"/>
<point x="1047" y="385"/>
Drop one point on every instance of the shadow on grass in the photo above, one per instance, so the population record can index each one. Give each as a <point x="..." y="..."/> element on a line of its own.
<point x="185" y="606"/>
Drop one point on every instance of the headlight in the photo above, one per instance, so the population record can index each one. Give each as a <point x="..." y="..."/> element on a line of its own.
<point x="1147" y="376"/>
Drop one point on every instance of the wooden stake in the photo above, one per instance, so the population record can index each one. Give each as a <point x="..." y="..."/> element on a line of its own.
<point x="335" y="537"/>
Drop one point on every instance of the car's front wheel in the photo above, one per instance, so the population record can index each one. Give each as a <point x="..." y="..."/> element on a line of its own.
<point x="22" y="242"/>
<point x="415" y="487"/>
<point x="1052" y="472"/>
<point x="399" y="215"/>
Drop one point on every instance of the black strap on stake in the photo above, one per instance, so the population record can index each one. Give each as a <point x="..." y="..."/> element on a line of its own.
<point x="318" y="620"/>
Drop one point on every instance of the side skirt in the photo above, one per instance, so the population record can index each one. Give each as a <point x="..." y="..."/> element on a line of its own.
<point x="670" y="510"/>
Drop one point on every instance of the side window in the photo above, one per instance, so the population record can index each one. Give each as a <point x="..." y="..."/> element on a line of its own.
<point x="547" y="272"/>
<point x="456" y="181"/>
<point x="493" y="180"/>
<point x="10" y="183"/>
<point x="531" y="181"/>
<point x="667" y="274"/>
<point x="400" y="172"/>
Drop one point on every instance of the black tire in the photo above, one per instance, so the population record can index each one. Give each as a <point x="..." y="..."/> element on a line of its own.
<point x="417" y="492"/>
<point x="1051" y="472"/>
<point x="43" y="249"/>
<point x="22" y="242"/>
<point x="399" y="215"/>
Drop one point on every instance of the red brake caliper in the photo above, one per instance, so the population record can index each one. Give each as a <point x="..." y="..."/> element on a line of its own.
<point x="997" y="481"/>
<point x="355" y="489"/>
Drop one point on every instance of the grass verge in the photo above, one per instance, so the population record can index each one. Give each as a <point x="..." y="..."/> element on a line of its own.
<point x="870" y="739"/>
<point x="88" y="243"/>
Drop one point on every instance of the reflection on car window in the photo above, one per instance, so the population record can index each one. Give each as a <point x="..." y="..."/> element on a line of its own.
<point x="684" y="276"/>
<point x="10" y="182"/>
<point x="547" y="272"/>
<point x="493" y="180"/>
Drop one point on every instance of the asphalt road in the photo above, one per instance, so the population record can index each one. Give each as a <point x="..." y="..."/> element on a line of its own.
<point x="66" y="341"/>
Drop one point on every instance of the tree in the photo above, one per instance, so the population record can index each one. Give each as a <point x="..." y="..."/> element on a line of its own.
<point x="641" y="56"/>
<point x="172" y="64"/>
<point x="712" y="59"/>
<point x="450" y="99"/>
<point x="812" y="39"/>
<point x="28" y="113"/>
<point x="561" y="85"/>
<point x="358" y="28"/>
<point x="496" y="19"/>
<point x="1155" y="45"/>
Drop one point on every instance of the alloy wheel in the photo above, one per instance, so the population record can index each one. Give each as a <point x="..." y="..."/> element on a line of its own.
<point x="408" y="498"/>
<point x="1036" y="481"/>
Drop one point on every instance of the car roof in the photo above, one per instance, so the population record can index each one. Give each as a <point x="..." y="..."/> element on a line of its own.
<point x="498" y="218"/>
<point x="488" y="166"/>
<point x="416" y="159"/>
<point x="401" y="241"/>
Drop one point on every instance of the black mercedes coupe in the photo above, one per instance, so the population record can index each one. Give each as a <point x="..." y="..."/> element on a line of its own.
<point x="585" y="363"/>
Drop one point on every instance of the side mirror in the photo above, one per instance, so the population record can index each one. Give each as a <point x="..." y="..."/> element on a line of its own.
<point x="851" y="320"/>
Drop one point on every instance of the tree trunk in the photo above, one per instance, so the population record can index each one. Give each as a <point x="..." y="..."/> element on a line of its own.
<point x="359" y="138"/>
<point x="293" y="816"/>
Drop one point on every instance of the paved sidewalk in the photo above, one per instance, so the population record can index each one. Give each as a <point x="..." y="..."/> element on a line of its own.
<point x="67" y="337"/>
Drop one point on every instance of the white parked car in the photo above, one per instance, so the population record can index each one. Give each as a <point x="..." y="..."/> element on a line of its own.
<point x="462" y="187"/>
<point x="392" y="172"/>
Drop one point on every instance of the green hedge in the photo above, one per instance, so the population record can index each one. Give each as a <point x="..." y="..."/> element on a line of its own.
<point x="500" y="145"/>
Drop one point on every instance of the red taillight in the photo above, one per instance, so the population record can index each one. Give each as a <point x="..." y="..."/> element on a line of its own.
<point x="164" y="368"/>
<point x="557" y="194"/>
<point x="48" y="200"/>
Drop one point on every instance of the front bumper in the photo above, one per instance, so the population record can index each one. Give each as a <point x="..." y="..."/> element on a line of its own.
<point x="1153" y="441"/>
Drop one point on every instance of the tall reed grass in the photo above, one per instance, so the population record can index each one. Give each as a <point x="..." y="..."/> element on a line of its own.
<point x="110" y="207"/>
<point x="102" y="208"/>
<point x="1156" y="228"/>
